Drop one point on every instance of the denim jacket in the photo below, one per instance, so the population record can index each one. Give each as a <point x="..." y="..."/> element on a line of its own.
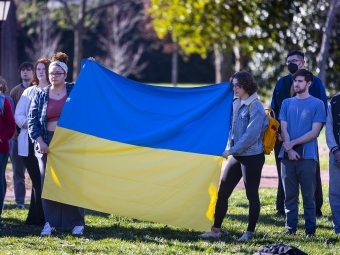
<point x="246" y="132"/>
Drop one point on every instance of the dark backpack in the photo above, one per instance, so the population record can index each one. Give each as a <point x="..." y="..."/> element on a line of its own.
<point x="279" y="249"/>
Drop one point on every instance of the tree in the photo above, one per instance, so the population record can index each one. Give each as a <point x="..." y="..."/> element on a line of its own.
<point x="334" y="8"/>
<point x="118" y="42"/>
<point x="46" y="39"/>
<point x="9" y="52"/>
<point x="231" y="29"/>
<point x="76" y="19"/>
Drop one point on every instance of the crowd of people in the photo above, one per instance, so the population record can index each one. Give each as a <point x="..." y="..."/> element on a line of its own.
<point x="29" y="118"/>
<point x="31" y="113"/>
<point x="300" y="104"/>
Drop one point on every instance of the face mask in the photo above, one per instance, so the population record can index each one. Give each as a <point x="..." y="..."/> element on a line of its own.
<point x="292" y="68"/>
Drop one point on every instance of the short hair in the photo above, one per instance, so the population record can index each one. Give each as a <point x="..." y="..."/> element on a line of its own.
<point x="25" y="65"/>
<point x="305" y="73"/>
<point x="46" y="63"/>
<point x="60" y="56"/>
<point x="246" y="81"/>
<point x="296" y="52"/>
<point x="4" y="87"/>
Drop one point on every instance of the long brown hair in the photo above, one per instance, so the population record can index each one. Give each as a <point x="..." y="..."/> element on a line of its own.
<point x="46" y="63"/>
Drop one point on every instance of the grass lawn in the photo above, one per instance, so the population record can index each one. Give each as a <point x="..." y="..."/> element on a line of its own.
<point x="109" y="234"/>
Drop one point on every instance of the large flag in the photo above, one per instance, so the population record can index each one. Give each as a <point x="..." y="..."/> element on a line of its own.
<point x="142" y="151"/>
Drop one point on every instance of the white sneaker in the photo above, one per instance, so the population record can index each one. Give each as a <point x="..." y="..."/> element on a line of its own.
<point x="78" y="230"/>
<point x="247" y="235"/>
<point x="48" y="230"/>
<point x="211" y="234"/>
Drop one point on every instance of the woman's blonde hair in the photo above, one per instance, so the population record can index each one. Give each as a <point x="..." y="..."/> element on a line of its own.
<point x="4" y="88"/>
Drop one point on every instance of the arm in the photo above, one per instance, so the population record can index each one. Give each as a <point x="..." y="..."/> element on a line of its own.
<point x="9" y="123"/>
<point x="34" y="125"/>
<point x="21" y="112"/>
<point x="316" y="127"/>
<point x="319" y="91"/>
<point x="330" y="139"/>
<point x="253" y="130"/>
<point x="274" y="104"/>
<point x="292" y="155"/>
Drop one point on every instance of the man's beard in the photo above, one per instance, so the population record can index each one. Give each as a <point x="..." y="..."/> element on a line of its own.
<point x="301" y="90"/>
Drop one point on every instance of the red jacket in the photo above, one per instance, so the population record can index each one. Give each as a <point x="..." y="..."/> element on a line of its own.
<point x="7" y="127"/>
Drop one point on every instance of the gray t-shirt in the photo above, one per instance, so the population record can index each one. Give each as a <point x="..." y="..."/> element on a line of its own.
<point x="300" y="114"/>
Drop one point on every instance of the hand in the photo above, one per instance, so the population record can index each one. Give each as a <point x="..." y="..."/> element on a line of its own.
<point x="287" y="145"/>
<point x="293" y="155"/>
<point x="91" y="59"/>
<point x="43" y="147"/>
<point x="279" y="138"/>
<point x="226" y="154"/>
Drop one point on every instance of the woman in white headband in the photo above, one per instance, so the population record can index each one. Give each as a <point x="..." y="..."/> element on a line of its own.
<point x="44" y="114"/>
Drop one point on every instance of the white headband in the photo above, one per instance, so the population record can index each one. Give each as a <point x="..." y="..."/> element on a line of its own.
<point x="60" y="64"/>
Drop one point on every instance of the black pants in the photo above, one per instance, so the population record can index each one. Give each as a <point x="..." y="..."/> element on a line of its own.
<point x="35" y="213"/>
<point x="280" y="197"/>
<point x="250" y="168"/>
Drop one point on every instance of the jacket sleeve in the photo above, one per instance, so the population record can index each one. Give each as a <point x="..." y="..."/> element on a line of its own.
<point x="257" y="123"/>
<point x="33" y="118"/>
<point x="275" y="104"/>
<point x="330" y="139"/>
<point x="9" y="123"/>
<point x="21" y="111"/>
<point x="319" y="91"/>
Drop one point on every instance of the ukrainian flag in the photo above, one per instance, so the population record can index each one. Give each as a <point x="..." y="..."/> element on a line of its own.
<point x="142" y="151"/>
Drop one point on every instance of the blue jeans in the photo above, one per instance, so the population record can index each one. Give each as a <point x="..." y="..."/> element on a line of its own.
<point x="295" y="174"/>
<point x="3" y="163"/>
<point x="18" y="173"/>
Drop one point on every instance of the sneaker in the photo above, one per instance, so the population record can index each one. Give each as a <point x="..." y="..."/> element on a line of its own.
<point x="280" y="213"/>
<point x="310" y="235"/>
<point x="211" y="234"/>
<point x="48" y="230"/>
<point x="78" y="231"/>
<point x="290" y="232"/>
<point x="247" y="235"/>
<point x="21" y="206"/>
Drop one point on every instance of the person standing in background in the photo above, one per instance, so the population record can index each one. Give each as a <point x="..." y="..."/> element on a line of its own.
<point x="333" y="143"/>
<point x="284" y="89"/>
<point x="301" y="118"/>
<point x="26" y="73"/>
<point x="26" y="146"/>
<point x="7" y="128"/>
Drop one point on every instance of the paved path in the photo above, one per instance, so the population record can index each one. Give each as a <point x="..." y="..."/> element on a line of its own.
<point x="269" y="180"/>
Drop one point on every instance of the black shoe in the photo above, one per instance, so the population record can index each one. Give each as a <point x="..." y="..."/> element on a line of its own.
<point x="290" y="232"/>
<point x="280" y="213"/>
<point x="310" y="235"/>
<point x="318" y="214"/>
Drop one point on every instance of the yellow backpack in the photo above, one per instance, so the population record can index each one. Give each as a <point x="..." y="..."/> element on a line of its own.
<point x="270" y="133"/>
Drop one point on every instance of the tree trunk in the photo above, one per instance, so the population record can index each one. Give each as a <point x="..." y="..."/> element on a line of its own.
<point x="78" y="40"/>
<point x="324" y="49"/>
<point x="223" y="65"/>
<point x="174" y="64"/>
<point x="8" y="53"/>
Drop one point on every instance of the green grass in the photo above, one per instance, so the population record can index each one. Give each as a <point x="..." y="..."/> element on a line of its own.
<point x="109" y="234"/>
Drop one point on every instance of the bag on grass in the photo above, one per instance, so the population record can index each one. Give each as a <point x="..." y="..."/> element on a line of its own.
<point x="279" y="249"/>
<point x="270" y="133"/>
